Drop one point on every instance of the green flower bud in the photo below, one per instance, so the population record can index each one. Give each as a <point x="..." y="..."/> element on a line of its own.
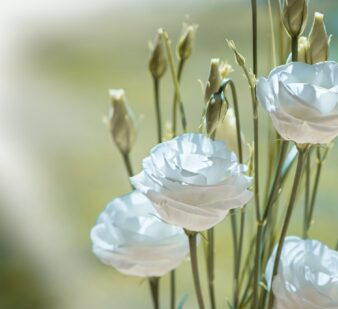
<point x="121" y="120"/>
<point x="319" y="41"/>
<point x="294" y="15"/>
<point x="303" y="49"/>
<point x="184" y="46"/>
<point x="158" y="61"/>
<point x="239" y="57"/>
<point x="214" y="80"/>
<point x="215" y="112"/>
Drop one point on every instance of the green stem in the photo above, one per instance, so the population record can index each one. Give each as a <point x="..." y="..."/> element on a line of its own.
<point x="307" y="197"/>
<point x="154" y="290"/>
<point x="302" y="153"/>
<point x="194" y="267"/>
<point x="211" y="266"/>
<point x="127" y="163"/>
<point x="175" y="80"/>
<point x="254" y="35"/>
<point x="158" y="109"/>
<point x="172" y="289"/>
<point x="314" y="192"/>
<point x="294" y="48"/>
<point x="174" y="106"/>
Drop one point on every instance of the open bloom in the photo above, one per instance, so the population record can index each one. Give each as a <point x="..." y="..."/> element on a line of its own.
<point x="302" y="100"/>
<point x="307" y="276"/>
<point x="193" y="181"/>
<point x="130" y="236"/>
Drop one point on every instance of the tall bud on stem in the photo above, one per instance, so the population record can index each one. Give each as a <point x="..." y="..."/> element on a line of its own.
<point x="122" y="125"/>
<point x="184" y="46"/>
<point x="215" y="112"/>
<point x="319" y="41"/>
<point x="158" y="61"/>
<point x="294" y="16"/>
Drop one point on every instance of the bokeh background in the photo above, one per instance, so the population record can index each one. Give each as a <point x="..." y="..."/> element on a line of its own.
<point x="58" y="165"/>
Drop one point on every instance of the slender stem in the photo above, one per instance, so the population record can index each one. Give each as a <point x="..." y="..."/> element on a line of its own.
<point x="172" y="289"/>
<point x="233" y="221"/>
<point x="154" y="290"/>
<point x="294" y="48"/>
<point x="314" y="193"/>
<point x="174" y="106"/>
<point x="175" y="79"/>
<point x="273" y="39"/>
<point x="302" y="153"/>
<point x="307" y="197"/>
<point x="194" y="267"/>
<point x="158" y="108"/>
<point x="127" y="163"/>
<point x="254" y="35"/>
<point x="257" y="265"/>
<point x="211" y="266"/>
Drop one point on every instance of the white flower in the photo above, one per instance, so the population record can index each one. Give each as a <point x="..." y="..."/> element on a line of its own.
<point x="193" y="181"/>
<point x="226" y="131"/>
<point x="130" y="236"/>
<point x="307" y="276"/>
<point x="302" y="100"/>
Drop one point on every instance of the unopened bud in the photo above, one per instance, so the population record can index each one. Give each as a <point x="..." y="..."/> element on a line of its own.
<point x="215" y="111"/>
<point x="121" y="120"/>
<point x="239" y="57"/>
<point x="184" y="46"/>
<point x="214" y="80"/>
<point x="303" y="49"/>
<point x="319" y="41"/>
<point x="294" y="15"/>
<point x="158" y="61"/>
<point x="225" y="69"/>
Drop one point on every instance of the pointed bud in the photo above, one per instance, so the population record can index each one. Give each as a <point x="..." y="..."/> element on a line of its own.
<point x="214" y="80"/>
<point x="239" y="57"/>
<point x="121" y="120"/>
<point x="294" y="15"/>
<point x="303" y="49"/>
<point x="184" y="46"/>
<point x="158" y="61"/>
<point x="319" y="41"/>
<point x="215" y="111"/>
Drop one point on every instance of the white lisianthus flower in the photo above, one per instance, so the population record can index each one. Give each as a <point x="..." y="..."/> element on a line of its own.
<point x="307" y="276"/>
<point x="302" y="100"/>
<point x="193" y="181"/>
<point x="130" y="236"/>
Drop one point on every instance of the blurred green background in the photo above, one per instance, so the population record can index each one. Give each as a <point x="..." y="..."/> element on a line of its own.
<point x="58" y="165"/>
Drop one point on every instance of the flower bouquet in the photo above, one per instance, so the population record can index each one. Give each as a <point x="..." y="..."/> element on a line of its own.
<point x="192" y="180"/>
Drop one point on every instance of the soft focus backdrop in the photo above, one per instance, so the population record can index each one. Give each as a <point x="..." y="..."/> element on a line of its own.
<point x="58" y="165"/>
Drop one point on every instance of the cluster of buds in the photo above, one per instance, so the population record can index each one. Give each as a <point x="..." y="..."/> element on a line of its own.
<point x="121" y="121"/>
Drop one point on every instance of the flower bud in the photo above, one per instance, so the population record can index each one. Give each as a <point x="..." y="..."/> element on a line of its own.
<point x="214" y="79"/>
<point x="215" y="111"/>
<point x="218" y="71"/>
<point x="303" y="49"/>
<point x="121" y="120"/>
<point x="319" y="41"/>
<point x="239" y="57"/>
<point x="184" y="46"/>
<point x="294" y="15"/>
<point x="158" y="61"/>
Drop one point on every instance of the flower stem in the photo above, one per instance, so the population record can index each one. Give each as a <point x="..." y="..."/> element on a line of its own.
<point x="194" y="267"/>
<point x="294" y="48"/>
<point x="172" y="289"/>
<point x="307" y="197"/>
<point x="154" y="290"/>
<point x="302" y="154"/>
<point x="158" y="109"/>
<point x="175" y="80"/>
<point x="174" y="111"/>
<point x="254" y="35"/>
<point x="127" y="163"/>
<point x="211" y="266"/>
